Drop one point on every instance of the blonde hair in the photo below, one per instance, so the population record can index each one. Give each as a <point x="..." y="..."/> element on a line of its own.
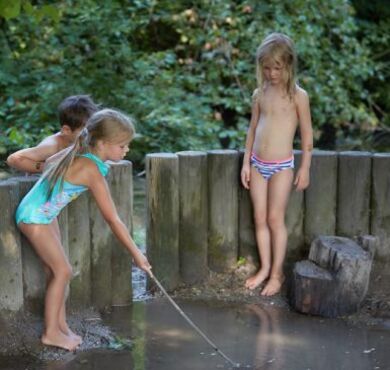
<point x="107" y="125"/>
<point x="280" y="49"/>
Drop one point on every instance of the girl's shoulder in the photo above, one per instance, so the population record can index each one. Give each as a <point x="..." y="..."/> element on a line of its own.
<point x="300" y="94"/>
<point x="97" y="163"/>
<point x="256" y="92"/>
<point x="300" y="90"/>
<point x="256" y="95"/>
<point x="86" y="165"/>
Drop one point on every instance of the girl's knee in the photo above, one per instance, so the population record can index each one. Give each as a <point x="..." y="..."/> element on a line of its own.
<point x="260" y="221"/>
<point x="69" y="272"/>
<point x="64" y="272"/>
<point x="275" y="220"/>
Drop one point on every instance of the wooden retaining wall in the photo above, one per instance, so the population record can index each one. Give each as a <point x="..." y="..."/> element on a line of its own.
<point x="101" y="267"/>
<point x="199" y="217"/>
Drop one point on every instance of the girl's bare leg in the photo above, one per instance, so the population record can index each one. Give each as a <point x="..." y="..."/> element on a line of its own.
<point x="278" y="195"/>
<point x="48" y="248"/>
<point x="258" y="191"/>
<point x="62" y="317"/>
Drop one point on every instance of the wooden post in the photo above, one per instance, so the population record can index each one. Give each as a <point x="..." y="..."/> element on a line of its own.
<point x="121" y="185"/>
<point x="162" y="178"/>
<point x="11" y="287"/>
<point x="353" y="200"/>
<point x="380" y="215"/>
<point x="223" y="177"/>
<point x="34" y="280"/>
<point x="80" y="251"/>
<point x="294" y="216"/>
<point x="247" y="232"/>
<point x="320" y="196"/>
<point x="101" y="250"/>
<point x="193" y="216"/>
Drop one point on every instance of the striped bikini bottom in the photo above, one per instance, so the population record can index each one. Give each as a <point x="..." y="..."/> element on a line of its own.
<point x="269" y="168"/>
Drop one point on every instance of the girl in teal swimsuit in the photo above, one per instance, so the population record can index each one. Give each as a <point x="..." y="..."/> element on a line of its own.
<point x="81" y="167"/>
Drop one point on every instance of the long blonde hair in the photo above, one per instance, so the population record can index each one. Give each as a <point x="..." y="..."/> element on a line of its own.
<point x="107" y="125"/>
<point x="280" y="49"/>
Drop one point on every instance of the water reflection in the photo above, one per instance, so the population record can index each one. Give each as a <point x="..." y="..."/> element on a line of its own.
<point x="294" y="341"/>
<point x="258" y="337"/>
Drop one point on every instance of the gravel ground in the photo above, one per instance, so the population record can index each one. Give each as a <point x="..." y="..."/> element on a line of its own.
<point x="20" y="335"/>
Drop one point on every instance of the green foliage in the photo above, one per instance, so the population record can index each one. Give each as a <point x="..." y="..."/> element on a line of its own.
<point x="241" y="261"/>
<point x="374" y="26"/>
<point x="184" y="70"/>
<point x="12" y="9"/>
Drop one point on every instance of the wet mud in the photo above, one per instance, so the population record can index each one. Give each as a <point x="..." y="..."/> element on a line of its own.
<point x="258" y="336"/>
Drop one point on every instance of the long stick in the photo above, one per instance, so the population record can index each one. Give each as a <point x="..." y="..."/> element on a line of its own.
<point x="236" y="365"/>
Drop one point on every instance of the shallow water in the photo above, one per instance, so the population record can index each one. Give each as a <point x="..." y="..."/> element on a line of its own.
<point x="257" y="337"/>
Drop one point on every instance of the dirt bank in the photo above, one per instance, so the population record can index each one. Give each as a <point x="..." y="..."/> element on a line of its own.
<point x="20" y="335"/>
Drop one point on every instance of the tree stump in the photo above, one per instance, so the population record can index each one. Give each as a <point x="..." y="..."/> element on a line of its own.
<point x="334" y="281"/>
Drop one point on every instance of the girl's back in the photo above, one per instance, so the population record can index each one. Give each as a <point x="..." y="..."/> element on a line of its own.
<point x="40" y="207"/>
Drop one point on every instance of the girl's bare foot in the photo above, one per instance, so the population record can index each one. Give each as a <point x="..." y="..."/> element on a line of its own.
<point x="67" y="331"/>
<point x="273" y="286"/>
<point x="74" y="335"/>
<point x="59" y="339"/>
<point x="256" y="280"/>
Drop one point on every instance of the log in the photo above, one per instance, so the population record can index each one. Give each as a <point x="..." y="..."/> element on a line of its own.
<point x="223" y="177"/>
<point x="353" y="198"/>
<point x="80" y="252"/>
<point x="120" y="181"/>
<point x="11" y="287"/>
<point x="34" y="280"/>
<point x="101" y="251"/>
<point x="380" y="213"/>
<point x="320" y="196"/>
<point x="193" y="216"/>
<point x="246" y="226"/>
<point x="335" y="280"/>
<point x="313" y="288"/>
<point x="162" y="199"/>
<point x="294" y="216"/>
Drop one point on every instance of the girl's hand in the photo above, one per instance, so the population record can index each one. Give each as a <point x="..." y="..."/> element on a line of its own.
<point x="302" y="179"/>
<point x="245" y="176"/>
<point x="142" y="262"/>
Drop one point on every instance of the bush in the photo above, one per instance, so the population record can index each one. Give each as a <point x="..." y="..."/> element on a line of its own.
<point x="184" y="70"/>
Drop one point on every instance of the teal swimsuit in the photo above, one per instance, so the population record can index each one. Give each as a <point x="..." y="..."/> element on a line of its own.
<point x="36" y="208"/>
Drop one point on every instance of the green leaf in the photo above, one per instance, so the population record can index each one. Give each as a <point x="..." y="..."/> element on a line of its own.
<point x="9" y="8"/>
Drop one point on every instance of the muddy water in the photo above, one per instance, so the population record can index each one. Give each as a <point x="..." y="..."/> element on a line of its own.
<point x="257" y="337"/>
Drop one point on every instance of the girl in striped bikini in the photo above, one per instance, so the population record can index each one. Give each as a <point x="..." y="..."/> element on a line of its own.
<point x="279" y="106"/>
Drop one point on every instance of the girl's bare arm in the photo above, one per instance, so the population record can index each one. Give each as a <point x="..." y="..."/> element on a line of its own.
<point x="250" y="137"/>
<point x="305" y="127"/>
